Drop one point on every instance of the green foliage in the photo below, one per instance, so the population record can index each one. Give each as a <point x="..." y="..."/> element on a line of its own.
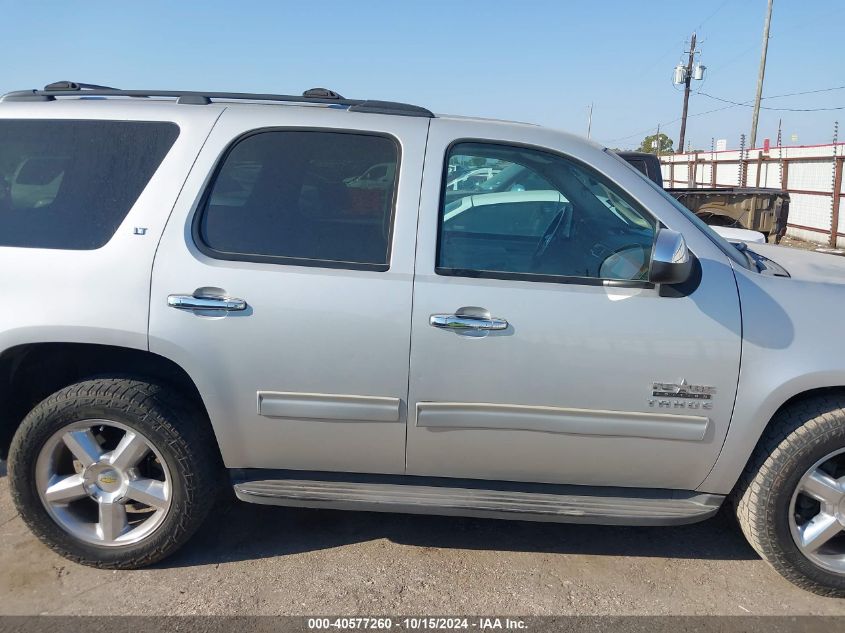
<point x="664" y="144"/>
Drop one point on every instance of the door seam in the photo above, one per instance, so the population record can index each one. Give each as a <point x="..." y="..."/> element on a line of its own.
<point x="167" y="222"/>
<point x="413" y="293"/>
<point x="738" y="375"/>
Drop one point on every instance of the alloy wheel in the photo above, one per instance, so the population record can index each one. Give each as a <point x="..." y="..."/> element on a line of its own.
<point x="817" y="513"/>
<point x="103" y="482"/>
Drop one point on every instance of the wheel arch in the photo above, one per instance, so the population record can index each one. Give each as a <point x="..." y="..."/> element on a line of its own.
<point x="31" y="372"/>
<point x="714" y="216"/>
<point x="745" y="434"/>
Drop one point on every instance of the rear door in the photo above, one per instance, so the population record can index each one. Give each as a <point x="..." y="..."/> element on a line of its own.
<point x="576" y="369"/>
<point x="283" y="286"/>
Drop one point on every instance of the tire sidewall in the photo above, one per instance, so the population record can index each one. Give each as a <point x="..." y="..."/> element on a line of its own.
<point x="39" y="426"/>
<point x="779" y="500"/>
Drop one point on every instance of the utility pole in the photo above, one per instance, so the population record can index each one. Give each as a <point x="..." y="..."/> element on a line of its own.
<point x="687" y="81"/>
<point x="780" y="156"/>
<point x="590" y="120"/>
<point x="657" y="140"/>
<point x="756" y="116"/>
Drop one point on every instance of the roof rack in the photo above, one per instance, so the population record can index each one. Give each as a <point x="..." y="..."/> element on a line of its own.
<point x="314" y="95"/>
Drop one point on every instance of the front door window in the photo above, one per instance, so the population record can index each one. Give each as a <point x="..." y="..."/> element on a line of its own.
<point x="516" y="212"/>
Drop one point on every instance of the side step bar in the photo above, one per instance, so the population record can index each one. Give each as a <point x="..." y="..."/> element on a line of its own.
<point x="501" y="500"/>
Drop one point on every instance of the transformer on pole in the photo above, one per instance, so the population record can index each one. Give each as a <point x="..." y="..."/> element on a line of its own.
<point x="684" y="75"/>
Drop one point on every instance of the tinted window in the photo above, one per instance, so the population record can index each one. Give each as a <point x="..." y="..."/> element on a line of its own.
<point x="303" y="197"/>
<point x="515" y="211"/>
<point x="69" y="184"/>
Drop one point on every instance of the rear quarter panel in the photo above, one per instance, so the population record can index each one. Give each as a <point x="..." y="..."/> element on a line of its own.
<point x="98" y="296"/>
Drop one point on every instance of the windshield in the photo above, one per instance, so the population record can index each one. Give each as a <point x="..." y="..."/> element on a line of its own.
<point x="726" y="247"/>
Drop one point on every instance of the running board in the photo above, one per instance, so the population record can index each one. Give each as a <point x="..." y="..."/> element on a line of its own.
<point x="501" y="500"/>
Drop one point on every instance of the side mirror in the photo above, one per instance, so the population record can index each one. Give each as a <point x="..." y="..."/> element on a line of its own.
<point x="671" y="262"/>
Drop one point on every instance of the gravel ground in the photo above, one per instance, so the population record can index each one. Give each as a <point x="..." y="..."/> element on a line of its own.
<point x="263" y="560"/>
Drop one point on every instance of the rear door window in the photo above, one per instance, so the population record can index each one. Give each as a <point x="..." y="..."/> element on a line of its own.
<point x="68" y="184"/>
<point x="303" y="197"/>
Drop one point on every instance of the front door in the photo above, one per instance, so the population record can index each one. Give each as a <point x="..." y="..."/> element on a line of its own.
<point x="539" y="351"/>
<point x="283" y="286"/>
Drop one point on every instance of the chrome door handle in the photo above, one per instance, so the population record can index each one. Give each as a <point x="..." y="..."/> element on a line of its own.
<point x="214" y="304"/>
<point x="468" y="318"/>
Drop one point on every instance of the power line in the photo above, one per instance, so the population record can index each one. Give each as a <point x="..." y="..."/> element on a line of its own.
<point x="747" y="104"/>
<point x="660" y="59"/>
<point x="731" y="60"/>
<point x="734" y="104"/>
<point x="623" y="138"/>
<point x="818" y="18"/>
<point x="714" y="110"/>
<point x="806" y="92"/>
<point x="780" y="96"/>
<point x="707" y="19"/>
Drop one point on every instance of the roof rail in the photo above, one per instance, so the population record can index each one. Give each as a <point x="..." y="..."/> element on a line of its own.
<point x="72" y="85"/>
<point x="314" y="95"/>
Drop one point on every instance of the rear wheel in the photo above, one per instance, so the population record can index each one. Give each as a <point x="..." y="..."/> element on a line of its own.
<point x="790" y="501"/>
<point x="113" y="472"/>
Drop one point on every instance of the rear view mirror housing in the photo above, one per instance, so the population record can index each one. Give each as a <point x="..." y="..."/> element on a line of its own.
<point x="671" y="261"/>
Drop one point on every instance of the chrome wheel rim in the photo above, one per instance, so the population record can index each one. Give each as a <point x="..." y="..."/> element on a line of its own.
<point x="103" y="482"/>
<point x="817" y="513"/>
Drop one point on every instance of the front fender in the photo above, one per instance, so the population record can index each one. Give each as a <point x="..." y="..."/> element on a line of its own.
<point x="788" y="349"/>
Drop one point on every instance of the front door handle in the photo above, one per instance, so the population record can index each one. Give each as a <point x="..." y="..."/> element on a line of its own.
<point x="468" y="318"/>
<point x="213" y="304"/>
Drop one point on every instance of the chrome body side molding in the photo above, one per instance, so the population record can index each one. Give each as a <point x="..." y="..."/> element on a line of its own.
<point x="464" y="415"/>
<point x="501" y="500"/>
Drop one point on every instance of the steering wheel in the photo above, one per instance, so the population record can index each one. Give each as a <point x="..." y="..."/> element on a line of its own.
<point x="548" y="237"/>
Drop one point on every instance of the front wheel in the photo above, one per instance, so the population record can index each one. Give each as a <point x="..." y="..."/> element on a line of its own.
<point x="790" y="501"/>
<point x="113" y="472"/>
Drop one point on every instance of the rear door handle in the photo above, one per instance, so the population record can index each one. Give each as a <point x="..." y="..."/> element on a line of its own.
<point x="213" y="304"/>
<point x="468" y="318"/>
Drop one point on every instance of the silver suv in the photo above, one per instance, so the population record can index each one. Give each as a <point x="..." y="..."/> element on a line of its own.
<point x="285" y="295"/>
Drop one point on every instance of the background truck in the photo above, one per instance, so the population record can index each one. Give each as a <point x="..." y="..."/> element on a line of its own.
<point x="756" y="208"/>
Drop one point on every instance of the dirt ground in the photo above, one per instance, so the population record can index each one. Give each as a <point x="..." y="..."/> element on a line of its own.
<point x="263" y="560"/>
<point x="796" y="243"/>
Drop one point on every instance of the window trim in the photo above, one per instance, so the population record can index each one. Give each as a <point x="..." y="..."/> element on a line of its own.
<point x="531" y="277"/>
<point x="202" y="207"/>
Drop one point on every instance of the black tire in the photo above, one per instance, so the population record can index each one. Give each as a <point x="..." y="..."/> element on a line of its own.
<point x="174" y="425"/>
<point x="799" y="435"/>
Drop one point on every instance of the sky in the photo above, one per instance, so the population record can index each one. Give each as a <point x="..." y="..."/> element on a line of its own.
<point x="540" y="61"/>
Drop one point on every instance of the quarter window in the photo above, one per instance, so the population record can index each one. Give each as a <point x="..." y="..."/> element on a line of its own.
<point x="303" y="197"/>
<point x="69" y="184"/>
<point x="511" y="211"/>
